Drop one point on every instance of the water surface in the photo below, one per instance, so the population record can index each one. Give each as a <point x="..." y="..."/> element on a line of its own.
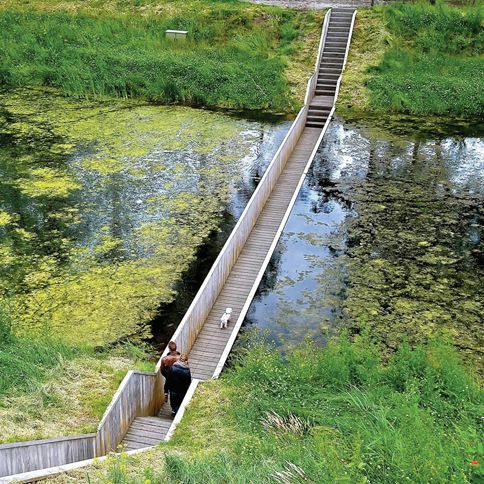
<point x="385" y="234"/>
<point x="104" y="205"/>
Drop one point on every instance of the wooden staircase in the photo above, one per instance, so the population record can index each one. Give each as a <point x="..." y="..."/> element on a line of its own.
<point x="148" y="431"/>
<point x="330" y="66"/>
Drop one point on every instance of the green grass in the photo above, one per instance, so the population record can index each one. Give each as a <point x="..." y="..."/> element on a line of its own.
<point x="433" y="62"/>
<point x="235" y="56"/>
<point x="25" y="363"/>
<point x="341" y="414"/>
<point x="50" y="389"/>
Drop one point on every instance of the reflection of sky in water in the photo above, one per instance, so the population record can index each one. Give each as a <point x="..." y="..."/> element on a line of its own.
<point x="303" y="288"/>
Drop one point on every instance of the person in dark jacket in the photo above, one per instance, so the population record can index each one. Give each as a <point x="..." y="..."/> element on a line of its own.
<point x="171" y="357"/>
<point x="179" y="378"/>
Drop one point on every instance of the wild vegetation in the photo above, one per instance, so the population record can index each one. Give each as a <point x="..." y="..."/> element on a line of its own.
<point x="331" y="415"/>
<point x="417" y="58"/>
<point x="87" y="50"/>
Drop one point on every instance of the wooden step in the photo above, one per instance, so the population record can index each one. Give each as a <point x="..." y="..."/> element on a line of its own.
<point x="314" y="124"/>
<point x="336" y="43"/>
<point x="334" y="61"/>
<point x="330" y="71"/>
<point x="340" y="23"/>
<point x="316" y="119"/>
<point x="337" y="37"/>
<point x="315" y="107"/>
<point x="336" y="29"/>
<point x="332" y="53"/>
<point x="325" y="86"/>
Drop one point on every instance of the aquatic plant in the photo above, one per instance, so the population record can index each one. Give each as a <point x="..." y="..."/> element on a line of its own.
<point x="107" y="204"/>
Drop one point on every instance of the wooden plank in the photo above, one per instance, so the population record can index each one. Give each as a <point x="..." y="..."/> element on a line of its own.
<point x="153" y="421"/>
<point x="149" y="428"/>
<point x="142" y="437"/>
<point x="140" y="440"/>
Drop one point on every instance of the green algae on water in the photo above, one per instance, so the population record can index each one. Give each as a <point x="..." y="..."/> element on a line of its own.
<point x="103" y="206"/>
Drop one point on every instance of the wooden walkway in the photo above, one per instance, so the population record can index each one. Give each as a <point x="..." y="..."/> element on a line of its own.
<point x="211" y="340"/>
<point x="208" y="347"/>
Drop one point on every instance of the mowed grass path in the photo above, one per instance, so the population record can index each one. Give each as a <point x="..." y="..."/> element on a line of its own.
<point x="235" y="55"/>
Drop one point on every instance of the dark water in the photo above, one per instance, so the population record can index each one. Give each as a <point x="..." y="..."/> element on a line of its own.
<point x="385" y="234"/>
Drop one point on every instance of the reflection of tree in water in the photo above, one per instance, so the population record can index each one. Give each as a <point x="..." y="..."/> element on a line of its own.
<point x="40" y="228"/>
<point x="404" y="258"/>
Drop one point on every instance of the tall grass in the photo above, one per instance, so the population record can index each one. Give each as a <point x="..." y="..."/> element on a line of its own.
<point x="25" y="363"/>
<point x="341" y="414"/>
<point x="434" y="64"/>
<point x="233" y="57"/>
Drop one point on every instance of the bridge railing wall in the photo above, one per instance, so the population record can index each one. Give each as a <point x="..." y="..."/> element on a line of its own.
<point x="140" y="394"/>
<point x="38" y="454"/>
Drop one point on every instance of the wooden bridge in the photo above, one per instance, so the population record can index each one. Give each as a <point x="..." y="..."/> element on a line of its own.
<point x="137" y="416"/>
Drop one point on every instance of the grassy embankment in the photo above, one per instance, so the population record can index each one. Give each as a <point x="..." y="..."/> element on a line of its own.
<point x="417" y="59"/>
<point x="89" y="49"/>
<point x="338" y="415"/>
<point x="48" y="388"/>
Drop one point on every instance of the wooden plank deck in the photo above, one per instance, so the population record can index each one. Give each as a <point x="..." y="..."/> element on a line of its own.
<point x="211" y="341"/>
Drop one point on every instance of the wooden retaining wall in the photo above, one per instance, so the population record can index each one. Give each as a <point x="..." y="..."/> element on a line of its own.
<point x="37" y="454"/>
<point x="140" y="394"/>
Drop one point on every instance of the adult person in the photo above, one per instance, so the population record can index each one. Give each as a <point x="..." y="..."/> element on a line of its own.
<point x="179" y="378"/>
<point x="169" y="359"/>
